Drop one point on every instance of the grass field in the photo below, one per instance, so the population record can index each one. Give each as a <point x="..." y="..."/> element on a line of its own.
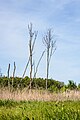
<point x="37" y="110"/>
<point x="39" y="105"/>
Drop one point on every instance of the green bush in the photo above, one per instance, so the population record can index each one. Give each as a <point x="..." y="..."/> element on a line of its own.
<point x="71" y="85"/>
<point x="53" y="89"/>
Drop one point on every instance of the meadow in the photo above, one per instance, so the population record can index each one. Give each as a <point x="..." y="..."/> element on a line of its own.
<point x="20" y="103"/>
<point x="39" y="105"/>
<point x="39" y="110"/>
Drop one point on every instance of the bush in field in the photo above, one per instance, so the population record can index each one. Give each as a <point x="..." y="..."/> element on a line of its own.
<point x="63" y="89"/>
<point x="24" y="82"/>
<point x="53" y="89"/>
<point x="71" y="85"/>
<point x="39" y="83"/>
<point x="4" y="81"/>
<point x="56" y="86"/>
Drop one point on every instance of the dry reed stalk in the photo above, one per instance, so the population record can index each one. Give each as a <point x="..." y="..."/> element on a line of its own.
<point x="39" y="95"/>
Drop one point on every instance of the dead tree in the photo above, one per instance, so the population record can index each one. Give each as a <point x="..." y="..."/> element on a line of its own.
<point x="32" y="36"/>
<point x="13" y="73"/>
<point x="8" y="75"/>
<point x="32" y="39"/>
<point x="50" y="47"/>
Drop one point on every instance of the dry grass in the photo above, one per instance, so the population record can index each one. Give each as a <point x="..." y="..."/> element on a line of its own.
<point x="39" y="95"/>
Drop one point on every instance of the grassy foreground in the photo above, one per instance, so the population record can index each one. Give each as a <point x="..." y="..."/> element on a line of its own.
<point x="37" y="110"/>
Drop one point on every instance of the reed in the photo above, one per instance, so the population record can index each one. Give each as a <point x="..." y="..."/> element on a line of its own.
<point x="37" y="95"/>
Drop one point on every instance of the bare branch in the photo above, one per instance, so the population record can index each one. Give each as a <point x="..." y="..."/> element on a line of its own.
<point x="38" y="63"/>
<point x="53" y="49"/>
<point x="26" y="68"/>
<point x="34" y="40"/>
<point x="30" y="30"/>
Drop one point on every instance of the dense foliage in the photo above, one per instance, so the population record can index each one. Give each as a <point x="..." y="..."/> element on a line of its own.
<point x="38" y="83"/>
<point x="68" y="110"/>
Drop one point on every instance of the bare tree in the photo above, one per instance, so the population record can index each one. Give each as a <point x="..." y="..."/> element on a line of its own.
<point x="50" y="47"/>
<point x="8" y="75"/>
<point x="32" y="36"/>
<point x="32" y="39"/>
<point x="13" y="73"/>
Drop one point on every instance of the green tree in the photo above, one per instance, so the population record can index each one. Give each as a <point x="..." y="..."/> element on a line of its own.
<point x="72" y="85"/>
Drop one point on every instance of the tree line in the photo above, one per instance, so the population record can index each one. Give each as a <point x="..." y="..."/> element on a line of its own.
<point x="38" y="83"/>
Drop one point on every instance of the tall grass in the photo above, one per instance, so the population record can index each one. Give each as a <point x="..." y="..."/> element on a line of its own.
<point x="39" y="95"/>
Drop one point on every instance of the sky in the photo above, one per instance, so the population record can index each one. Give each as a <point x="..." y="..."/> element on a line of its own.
<point x="62" y="16"/>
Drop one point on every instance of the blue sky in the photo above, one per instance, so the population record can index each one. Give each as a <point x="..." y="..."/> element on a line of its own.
<point x="63" y="16"/>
